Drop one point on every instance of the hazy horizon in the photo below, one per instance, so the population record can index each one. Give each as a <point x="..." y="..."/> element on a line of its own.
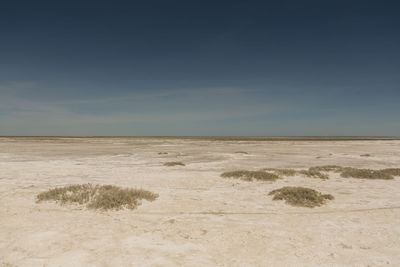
<point x="179" y="68"/>
<point x="219" y="137"/>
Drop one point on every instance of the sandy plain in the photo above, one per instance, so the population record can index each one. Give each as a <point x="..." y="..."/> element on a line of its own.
<point x="199" y="219"/>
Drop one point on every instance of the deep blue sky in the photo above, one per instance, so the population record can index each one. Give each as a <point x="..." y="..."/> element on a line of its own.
<point x="200" y="67"/>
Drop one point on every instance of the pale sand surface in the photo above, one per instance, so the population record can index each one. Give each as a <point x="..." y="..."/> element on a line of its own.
<point x="199" y="219"/>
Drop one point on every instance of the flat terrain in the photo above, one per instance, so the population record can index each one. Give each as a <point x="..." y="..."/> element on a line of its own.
<point x="199" y="218"/>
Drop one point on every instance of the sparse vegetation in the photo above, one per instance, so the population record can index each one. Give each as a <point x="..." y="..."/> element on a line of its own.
<point x="291" y="172"/>
<point x="300" y="196"/>
<point x="326" y="168"/>
<point x="365" y="174"/>
<point x="174" y="163"/>
<point x="284" y="172"/>
<point x="365" y="155"/>
<point x="314" y="174"/>
<point x="98" y="196"/>
<point x="162" y="153"/>
<point x="79" y="194"/>
<point x="241" y="152"/>
<point x="250" y="175"/>
<point x="349" y="172"/>
<point x="392" y="171"/>
<point x="346" y="172"/>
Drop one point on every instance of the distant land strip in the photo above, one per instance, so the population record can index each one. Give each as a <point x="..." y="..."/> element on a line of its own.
<point x="223" y="138"/>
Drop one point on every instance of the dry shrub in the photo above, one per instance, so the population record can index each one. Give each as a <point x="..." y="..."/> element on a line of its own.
<point x="392" y="171"/>
<point x="313" y="173"/>
<point x="365" y="174"/>
<point x="79" y="194"/>
<point x="162" y="153"/>
<point x="326" y="168"/>
<point x="365" y="155"/>
<point x="174" y="163"/>
<point x="321" y="172"/>
<point x="300" y="196"/>
<point x="241" y="152"/>
<point x="98" y="196"/>
<point x="349" y="172"/>
<point x="283" y="172"/>
<point x="113" y="197"/>
<point x="250" y="175"/>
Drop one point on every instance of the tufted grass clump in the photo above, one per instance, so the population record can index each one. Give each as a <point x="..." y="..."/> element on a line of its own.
<point x="283" y="172"/>
<point x="251" y="175"/>
<point x="349" y="172"/>
<point x="326" y="168"/>
<point x="300" y="196"/>
<point x="321" y="172"/>
<point x="104" y="197"/>
<point x="174" y="163"/>
<point x="241" y="152"/>
<point x="79" y="194"/>
<point x="162" y="153"/>
<point x="114" y="197"/>
<point x="313" y="173"/>
<point x="365" y="155"/>
<point x="392" y="171"/>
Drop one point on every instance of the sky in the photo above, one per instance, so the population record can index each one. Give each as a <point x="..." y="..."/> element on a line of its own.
<point x="200" y="68"/>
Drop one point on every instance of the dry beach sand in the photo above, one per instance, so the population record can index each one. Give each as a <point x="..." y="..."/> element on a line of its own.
<point x="199" y="218"/>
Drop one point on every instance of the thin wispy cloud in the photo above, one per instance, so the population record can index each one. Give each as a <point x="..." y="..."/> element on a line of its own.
<point x="67" y="109"/>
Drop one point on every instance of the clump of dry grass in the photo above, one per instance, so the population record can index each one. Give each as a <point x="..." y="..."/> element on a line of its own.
<point x="290" y="172"/>
<point x="392" y="171"/>
<point x="283" y="172"/>
<point x="314" y="174"/>
<point x="349" y="172"/>
<point x="241" y="152"/>
<point x="174" y="163"/>
<point x="300" y="196"/>
<point x="326" y="168"/>
<point x="162" y="153"/>
<point x="98" y="196"/>
<point x="79" y="194"/>
<point x="113" y="197"/>
<point x="346" y="172"/>
<point x="365" y="155"/>
<point x="250" y="175"/>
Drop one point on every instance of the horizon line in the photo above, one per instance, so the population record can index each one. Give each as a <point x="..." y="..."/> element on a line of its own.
<point x="222" y="137"/>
